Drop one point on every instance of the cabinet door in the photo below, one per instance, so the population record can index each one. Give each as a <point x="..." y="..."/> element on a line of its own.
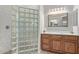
<point x="78" y="45"/>
<point x="45" y="42"/>
<point x="70" y="44"/>
<point x="56" y="43"/>
<point x="69" y="47"/>
<point x="45" y="47"/>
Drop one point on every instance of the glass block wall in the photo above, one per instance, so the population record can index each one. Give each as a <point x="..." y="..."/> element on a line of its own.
<point x="25" y="25"/>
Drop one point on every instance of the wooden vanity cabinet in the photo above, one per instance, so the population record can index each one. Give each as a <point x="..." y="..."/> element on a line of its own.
<point x="60" y="43"/>
<point x="45" y="42"/>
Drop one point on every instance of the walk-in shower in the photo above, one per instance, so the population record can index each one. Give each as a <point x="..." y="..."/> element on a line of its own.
<point x="25" y="26"/>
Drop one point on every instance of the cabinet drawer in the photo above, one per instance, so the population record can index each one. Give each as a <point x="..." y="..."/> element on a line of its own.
<point x="45" y="36"/>
<point x="70" y="38"/>
<point x="56" y="37"/>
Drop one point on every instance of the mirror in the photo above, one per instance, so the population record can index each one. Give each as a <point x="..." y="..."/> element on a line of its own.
<point x="58" y="20"/>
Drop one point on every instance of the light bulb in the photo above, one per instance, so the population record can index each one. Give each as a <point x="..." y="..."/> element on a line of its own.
<point x="52" y="10"/>
<point x="57" y="9"/>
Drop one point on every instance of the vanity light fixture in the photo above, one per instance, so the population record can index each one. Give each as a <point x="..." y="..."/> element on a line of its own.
<point x="57" y="11"/>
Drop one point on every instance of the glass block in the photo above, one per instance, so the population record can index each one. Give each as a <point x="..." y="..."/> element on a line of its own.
<point x="21" y="39"/>
<point x="36" y="12"/>
<point x="27" y="10"/>
<point x="21" y="24"/>
<point x="31" y="15"/>
<point x="24" y="44"/>
<point x="31" y="35"/>
<point x="21" y="48"/>
<point x="31" y="25"/>
<point x="35" y="24"/>
<point x="21" y="19"/>
<point x="34" y="40"/>
<point x="35" y="16"/>
<point x="21" y="14"/>
<point x="26" y="19"/>
<point x="35" y="34"/>
<point x="21" y="43"/>
<point x="27" y="38"/>
<point x="21" y="52"/>
<point x="27" y="30"/>
<point x="22" y="10"/>
<point x="35" y="51"/>
<point x="27" y="15"/>
<point x="27" y="24"/>
<point x="35" y="20"/>
<point x="31" y="11"/>
<point x="30" y="31"/>
<point x="35" y="29"/>
<point x="27" y="52"/>
<point x="27" y="34"/>
<point x="17" y="30"/>
<point x="16" y="23"/>
<point x="36" y="46"/>
<point x="27" y="47"/>
<point x="20" y="34"/>
<point x="31" y="20"/>
<point x="20" y="30"/>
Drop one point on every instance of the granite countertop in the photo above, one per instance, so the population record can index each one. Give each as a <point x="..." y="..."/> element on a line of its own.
<point x="61" y="33"/>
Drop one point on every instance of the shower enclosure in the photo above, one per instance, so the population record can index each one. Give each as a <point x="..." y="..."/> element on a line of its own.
<point x="25" y="26"/>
